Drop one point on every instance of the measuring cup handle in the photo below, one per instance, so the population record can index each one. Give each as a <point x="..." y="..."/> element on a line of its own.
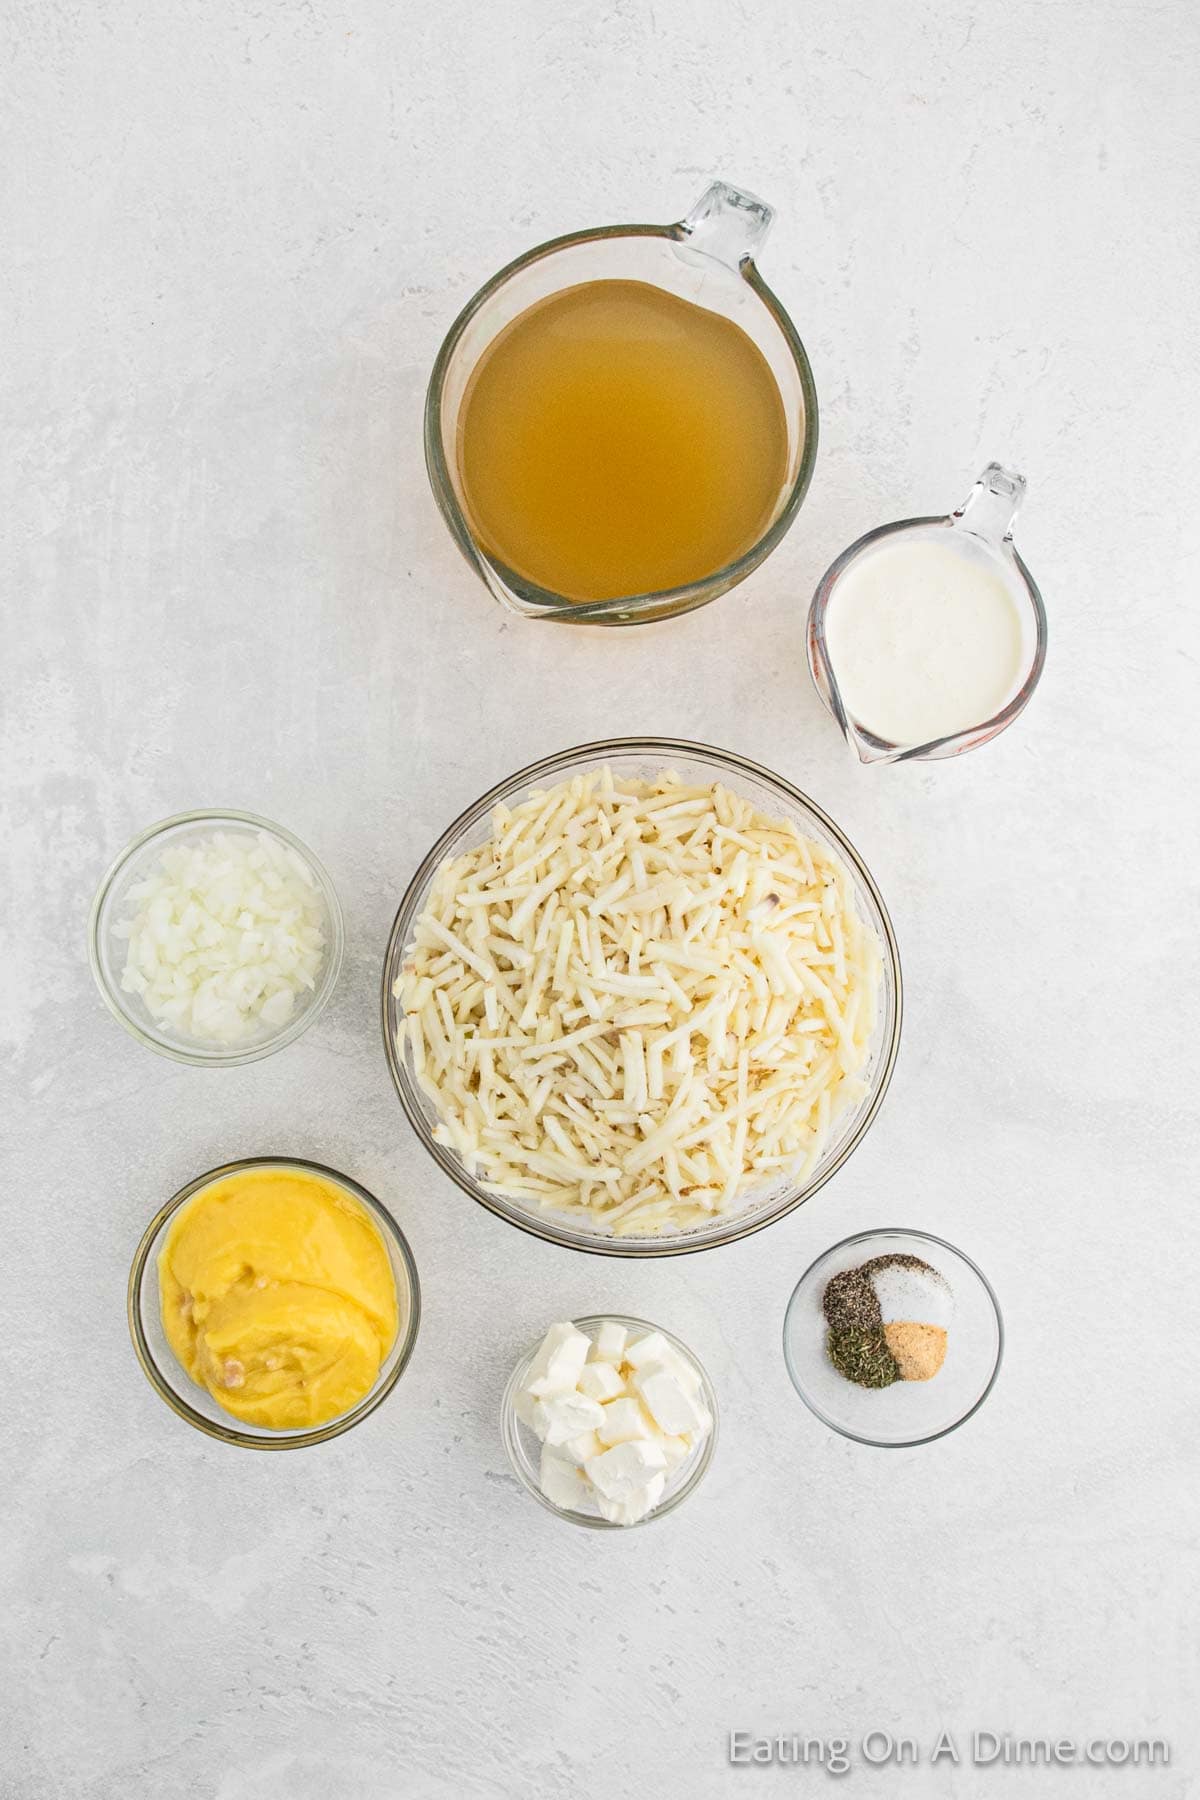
<point x="990" y="509"/>
<point x="728" y="224"/>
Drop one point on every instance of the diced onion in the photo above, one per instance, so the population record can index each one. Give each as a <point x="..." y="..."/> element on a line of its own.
<point x="228" y="932"/>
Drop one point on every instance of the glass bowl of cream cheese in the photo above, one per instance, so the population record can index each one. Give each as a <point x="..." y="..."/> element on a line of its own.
<point x="546" y="1467"/>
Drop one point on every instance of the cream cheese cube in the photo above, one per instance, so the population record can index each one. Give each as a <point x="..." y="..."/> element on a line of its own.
<point x="653" y="1348"/>
<point x="628" y="1512"/>
<point x="620" y="1472"/>
<point x="584" y="1447"/>
<point x="621" y="1420"/>
<point x="529" y="1411"/>
<point x="600" y="1381"/>
<point x="560" y="1356"/>
<point x="610" y="1341"/>
<point x="567" y="1415"/>
<point x="667" y="1400"/>
<point x="562" y="1483"/>
<point x="538" y="1420"/>
<point x="675" y="1449"/>
<point x="685" y="1371"/>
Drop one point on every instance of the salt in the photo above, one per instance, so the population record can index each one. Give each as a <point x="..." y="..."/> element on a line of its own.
<point x="918" y="1295"/>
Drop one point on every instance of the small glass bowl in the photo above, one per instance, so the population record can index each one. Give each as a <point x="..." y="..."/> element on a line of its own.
<point x="524" y="1449"/>
<point x="699" y="764"/>
<point x="908" y="1412"/>
<point x="107" y="952"/>
<point x="192" y="1402"/>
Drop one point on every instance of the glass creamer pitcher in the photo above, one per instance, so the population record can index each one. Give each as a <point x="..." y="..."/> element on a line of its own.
<point x="707" y="259"/>
<point x="974" y="543"/>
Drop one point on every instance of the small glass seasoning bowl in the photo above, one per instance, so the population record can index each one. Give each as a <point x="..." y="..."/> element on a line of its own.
<point x="907" y="1412"/>
<point x="981" y="531"/>
<point x="192" y="1402"/>
<point x="525" y="1450"/>
<point x="699" y="764"/>
<point x="107" y="951"/>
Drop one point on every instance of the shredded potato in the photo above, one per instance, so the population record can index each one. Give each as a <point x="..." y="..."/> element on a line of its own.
<point x="639" y="1001"/>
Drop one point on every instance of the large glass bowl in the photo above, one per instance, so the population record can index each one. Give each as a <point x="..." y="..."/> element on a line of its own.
<point x="699" y="764"/>
<point x="171" y="1381"/>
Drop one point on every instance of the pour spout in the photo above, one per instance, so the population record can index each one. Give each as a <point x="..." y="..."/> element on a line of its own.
<point x="727" y="223"/>
<point x="990" y="509"/>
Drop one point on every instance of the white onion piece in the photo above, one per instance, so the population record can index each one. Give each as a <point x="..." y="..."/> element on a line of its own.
<point x="227" y="932"/>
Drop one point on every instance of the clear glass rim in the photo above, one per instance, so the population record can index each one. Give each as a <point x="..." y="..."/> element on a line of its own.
<point x="662" y="602"/>
<point x="199" y="1057"/>
<point x="862" y="1237"/>
<point x="231" y="1434"/>
<point x="546" y="1228"/>
<point x="883" y="751"/>
<point x="509" y="1427"/>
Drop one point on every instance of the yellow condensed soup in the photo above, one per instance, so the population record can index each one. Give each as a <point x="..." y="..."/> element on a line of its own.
<point x="278" y="1297"/>
<point x="616" y="439"/>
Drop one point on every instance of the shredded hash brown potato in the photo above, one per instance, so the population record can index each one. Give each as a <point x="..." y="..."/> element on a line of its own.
<point x="638" y="1001"/>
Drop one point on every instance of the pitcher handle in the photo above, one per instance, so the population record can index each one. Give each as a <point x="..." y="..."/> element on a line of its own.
<point x="990" y="509"/>
<point x="728" y="224"/>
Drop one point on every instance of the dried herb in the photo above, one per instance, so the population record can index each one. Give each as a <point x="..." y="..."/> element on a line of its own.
<point x="863" y="1356"/>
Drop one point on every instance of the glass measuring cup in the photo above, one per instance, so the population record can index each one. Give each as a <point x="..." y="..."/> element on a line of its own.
<point x="980" y="530"/>
<point x="706" y="258"/>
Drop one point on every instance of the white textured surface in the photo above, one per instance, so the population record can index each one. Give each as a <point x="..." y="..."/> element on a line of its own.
<point x="234" y="237"/>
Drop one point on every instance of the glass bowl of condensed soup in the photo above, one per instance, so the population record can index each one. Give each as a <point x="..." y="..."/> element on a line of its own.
<point x="927" y="637"/>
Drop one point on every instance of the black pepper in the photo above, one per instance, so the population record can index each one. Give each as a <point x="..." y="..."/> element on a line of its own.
<point x="850" y="1302"/>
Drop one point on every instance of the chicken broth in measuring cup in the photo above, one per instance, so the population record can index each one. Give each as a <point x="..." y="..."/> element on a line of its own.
<point x="616" y="439"/>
